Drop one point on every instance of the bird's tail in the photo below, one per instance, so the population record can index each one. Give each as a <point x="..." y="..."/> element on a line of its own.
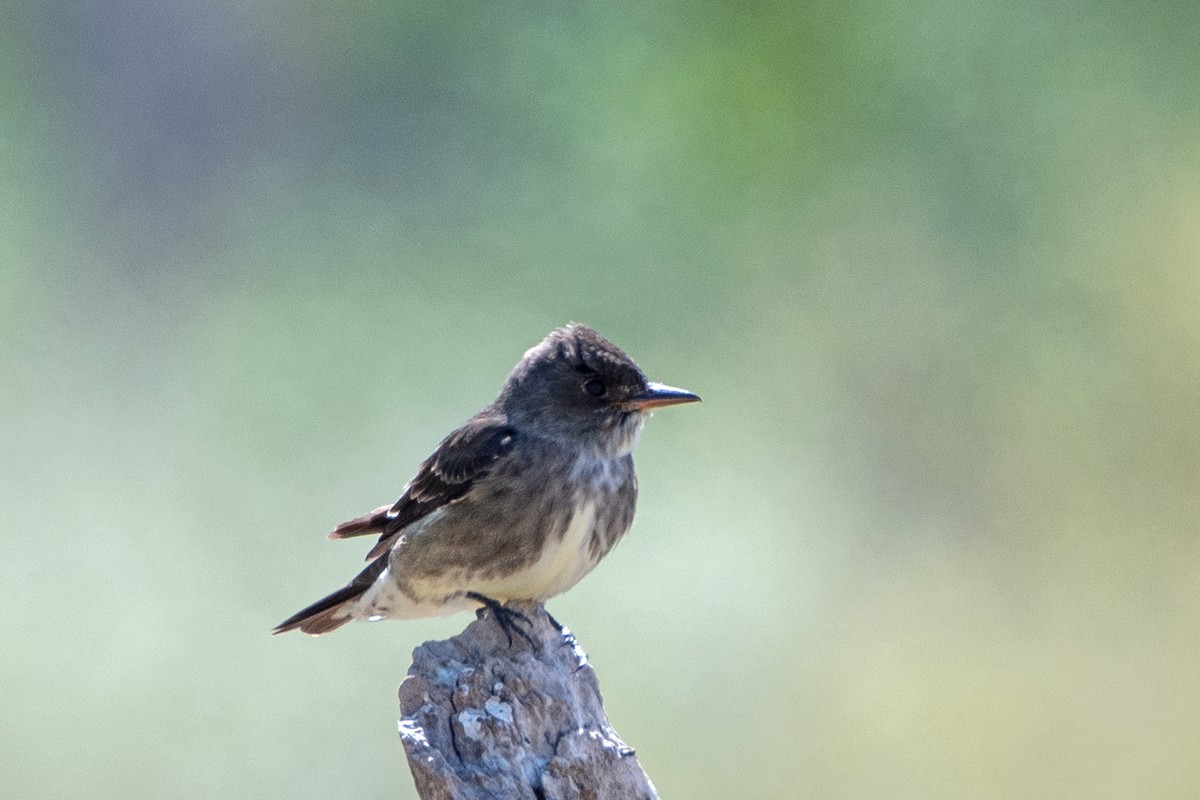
<point x="332" y="612"/>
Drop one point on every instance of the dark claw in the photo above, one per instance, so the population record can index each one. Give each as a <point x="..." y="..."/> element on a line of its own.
<point x="568" y="639"/>
<point x="561" y="628"/>
<point x="508" y="619"/>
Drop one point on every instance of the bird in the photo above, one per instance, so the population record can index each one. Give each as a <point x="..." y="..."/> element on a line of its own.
<point x="519" y="503"/>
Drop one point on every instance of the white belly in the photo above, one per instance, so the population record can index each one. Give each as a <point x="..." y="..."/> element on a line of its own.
<point x="562" y="564"/>
<point x="564" y="561"/>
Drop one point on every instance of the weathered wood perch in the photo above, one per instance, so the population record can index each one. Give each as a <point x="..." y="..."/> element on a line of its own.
<point x="482" y="719"/>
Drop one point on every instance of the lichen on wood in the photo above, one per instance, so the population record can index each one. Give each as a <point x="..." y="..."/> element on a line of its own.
<point x="484" y="717"/>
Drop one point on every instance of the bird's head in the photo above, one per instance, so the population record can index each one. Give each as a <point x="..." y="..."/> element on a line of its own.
<point x="578" y="387"/>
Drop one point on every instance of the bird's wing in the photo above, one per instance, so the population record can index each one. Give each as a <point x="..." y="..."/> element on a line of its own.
<point x="463" y="457"/>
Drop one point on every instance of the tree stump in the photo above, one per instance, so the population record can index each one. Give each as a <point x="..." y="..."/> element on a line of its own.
<point x="483" y="718"/>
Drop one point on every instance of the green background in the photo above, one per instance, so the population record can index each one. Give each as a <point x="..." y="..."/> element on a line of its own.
<point x="933" y="267"/>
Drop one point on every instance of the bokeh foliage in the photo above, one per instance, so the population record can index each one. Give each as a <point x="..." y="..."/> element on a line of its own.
<point x="933" y="267"/>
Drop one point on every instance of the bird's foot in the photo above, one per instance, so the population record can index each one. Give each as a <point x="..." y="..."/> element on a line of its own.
<point x="568" y="639"/>
<point x="563" y="629"/>
<point x="508" y="619"/>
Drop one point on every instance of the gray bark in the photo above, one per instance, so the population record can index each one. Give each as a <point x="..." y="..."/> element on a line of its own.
<point x="482" y="719"/>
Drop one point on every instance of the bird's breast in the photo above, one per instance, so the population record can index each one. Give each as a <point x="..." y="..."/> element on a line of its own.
<point x="528" y="534"/>
<point x="564" y="559"/>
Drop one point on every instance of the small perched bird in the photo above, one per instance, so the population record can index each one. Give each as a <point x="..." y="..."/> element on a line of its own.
<point x="519" y="503"/>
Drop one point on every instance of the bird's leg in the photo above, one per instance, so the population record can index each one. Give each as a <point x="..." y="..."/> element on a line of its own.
<point x="508" y="619"/>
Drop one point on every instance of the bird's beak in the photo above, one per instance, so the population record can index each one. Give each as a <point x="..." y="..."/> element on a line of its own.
<point x="658" y="395"/>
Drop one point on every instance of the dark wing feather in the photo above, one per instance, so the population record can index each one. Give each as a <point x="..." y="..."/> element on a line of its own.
<point x="463" y="457"/>
<point x="371" y="522"/>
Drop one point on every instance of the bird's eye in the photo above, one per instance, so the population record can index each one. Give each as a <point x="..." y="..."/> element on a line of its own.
<point x="595" y="388"/>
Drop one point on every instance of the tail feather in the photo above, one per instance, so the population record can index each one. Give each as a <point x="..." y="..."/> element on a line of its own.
<point x="332" y="612"/>
<point x="323" y="616"/>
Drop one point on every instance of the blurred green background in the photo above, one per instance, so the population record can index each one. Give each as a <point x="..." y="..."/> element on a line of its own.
<point x="933" y="267"/>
